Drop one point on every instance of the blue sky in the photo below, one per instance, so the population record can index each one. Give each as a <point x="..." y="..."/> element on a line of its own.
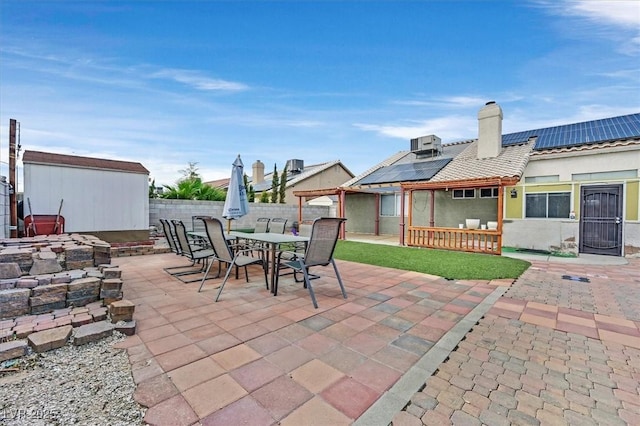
<point x="165" y="83"/>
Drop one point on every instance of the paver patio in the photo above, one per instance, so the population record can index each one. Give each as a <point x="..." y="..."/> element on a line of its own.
<point x="253" y="358"/>
<point x="277" y="359"/>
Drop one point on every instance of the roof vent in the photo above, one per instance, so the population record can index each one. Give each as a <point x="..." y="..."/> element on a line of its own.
<point x="426" y="144"/>
<point x="295" y="166"/>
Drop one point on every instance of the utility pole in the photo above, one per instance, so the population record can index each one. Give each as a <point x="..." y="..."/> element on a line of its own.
<point x="13" y="205"/>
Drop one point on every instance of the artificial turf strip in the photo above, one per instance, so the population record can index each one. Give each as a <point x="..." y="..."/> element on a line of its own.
<point x="448" y="264"/>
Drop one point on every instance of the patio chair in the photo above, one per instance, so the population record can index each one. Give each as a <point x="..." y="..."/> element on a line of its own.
<point x="277" y="225"/>
<point x="237" y="255"/>
<point x="170" y="236"/>
<point x="192" y="251"/>
<point x="262" y="224"/>
<point x="319" y="252"/>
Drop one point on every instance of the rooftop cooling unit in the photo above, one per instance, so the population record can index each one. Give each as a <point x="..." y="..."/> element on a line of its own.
<point x="295" y="166"/>
<point x="430" y="143"/>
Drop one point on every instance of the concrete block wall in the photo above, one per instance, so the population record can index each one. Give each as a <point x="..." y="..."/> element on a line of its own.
<point x="185" y="209"/>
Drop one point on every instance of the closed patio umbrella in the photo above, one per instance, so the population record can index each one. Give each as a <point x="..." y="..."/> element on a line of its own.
<point x="236" y="204"/>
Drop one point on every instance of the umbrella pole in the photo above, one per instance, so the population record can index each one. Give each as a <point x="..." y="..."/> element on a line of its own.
<point x="228" y="225"/>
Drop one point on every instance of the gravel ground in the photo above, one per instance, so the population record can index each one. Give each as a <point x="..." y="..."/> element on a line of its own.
<point x="74" y="385"/>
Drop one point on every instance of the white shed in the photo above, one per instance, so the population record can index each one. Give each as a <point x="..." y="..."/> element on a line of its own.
<point x="106" y="198"/>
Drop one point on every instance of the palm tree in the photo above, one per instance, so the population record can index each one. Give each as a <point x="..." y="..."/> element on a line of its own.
<point x="193" y="189"/>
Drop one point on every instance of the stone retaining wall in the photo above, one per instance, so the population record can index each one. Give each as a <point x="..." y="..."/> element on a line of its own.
<point x="41" y="294"/>
<point x="45" y="273"/>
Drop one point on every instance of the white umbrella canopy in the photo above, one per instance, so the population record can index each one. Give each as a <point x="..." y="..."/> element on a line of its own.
<point x="236" y="204"/>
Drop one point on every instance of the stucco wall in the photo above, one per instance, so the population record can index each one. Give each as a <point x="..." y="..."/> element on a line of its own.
<point x="360" y="210"/>
<point x="541" y="234"/>
<point x="451" y="213"/>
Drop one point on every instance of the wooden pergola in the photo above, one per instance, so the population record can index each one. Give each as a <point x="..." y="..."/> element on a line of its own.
<point x="314" y="193"/>
<point x="473" y="240"/>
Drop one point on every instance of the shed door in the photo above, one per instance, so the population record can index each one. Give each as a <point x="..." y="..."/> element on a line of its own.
<point x="601" y="220"/>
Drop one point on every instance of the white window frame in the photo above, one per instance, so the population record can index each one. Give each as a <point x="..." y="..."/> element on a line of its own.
<point x="396" y="204"/>
<point x="546" y="194"/>
<point x="494" y="192"/>
<point x="463" y="194"/>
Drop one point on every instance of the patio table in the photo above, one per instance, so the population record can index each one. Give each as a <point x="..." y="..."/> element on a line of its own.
<point x="274" y="241"/>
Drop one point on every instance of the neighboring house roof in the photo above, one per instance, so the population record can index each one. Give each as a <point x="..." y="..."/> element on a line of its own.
<point x="294" y="178"/>
<point x="219" y="183"/>
<point x="47" y="158"/>
<point x="511" y="162"/>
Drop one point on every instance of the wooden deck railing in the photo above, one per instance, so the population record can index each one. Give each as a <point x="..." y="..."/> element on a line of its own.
<point x="471" y="240"/>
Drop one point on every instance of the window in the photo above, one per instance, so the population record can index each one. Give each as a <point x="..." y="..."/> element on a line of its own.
<point x="542" y="179"/>
<point x="548" y="204"/>
<point x="618" y="174"/>
<point x="488" y="192"/>
<point x="390" y="204"/>
<point x="463" y="193"/>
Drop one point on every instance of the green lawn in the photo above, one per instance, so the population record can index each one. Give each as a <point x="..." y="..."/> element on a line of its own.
<point x="444" y="263"/>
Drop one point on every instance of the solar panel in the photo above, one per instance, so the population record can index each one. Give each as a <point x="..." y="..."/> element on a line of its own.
<point x="423" y="170"/>
<point x="588" y="132"/>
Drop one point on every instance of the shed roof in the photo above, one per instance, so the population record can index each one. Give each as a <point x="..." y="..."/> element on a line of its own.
<point x="39" y="157"/>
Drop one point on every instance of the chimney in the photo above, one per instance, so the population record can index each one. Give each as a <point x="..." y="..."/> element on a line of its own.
<point x="490" y="130"/>
<point x="258" y="172"/>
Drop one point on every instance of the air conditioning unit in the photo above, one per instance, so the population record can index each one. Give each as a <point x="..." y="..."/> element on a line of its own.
<point x="426" y="143"/>
<point x="295" y="166"/>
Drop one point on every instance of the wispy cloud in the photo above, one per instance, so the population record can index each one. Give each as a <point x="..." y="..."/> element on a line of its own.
<point x="199" y="81"/>
<point x="619" y="13"/>
<point x="448" y="128"/>
<point x="614" y="19"/>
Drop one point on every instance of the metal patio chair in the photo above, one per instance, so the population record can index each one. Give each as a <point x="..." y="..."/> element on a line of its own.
<point x="319" y="252"/>
<point x="262" y="224"/>
<point x="192" y="251"/>
<point x="170" y="235"/>
<point x="233" y="255"/>
<point x="277" y="225"/>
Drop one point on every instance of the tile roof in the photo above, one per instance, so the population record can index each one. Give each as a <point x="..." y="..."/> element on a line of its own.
<point x="620" y="144"/>
<point x="511" y="162"/>
<point x="38" y="157"/>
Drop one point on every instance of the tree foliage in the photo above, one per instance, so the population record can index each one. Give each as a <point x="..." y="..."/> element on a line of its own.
<point x="283" y="186"/>
<point x="251" y="193"/>
<point x="193" y="189"/>
<point x="275" y="185"/>
<point x="264" y="197"/>
<point x="190" y="173"/>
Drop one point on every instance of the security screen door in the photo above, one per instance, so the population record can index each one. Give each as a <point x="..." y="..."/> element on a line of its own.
<point x="601" y="220"/>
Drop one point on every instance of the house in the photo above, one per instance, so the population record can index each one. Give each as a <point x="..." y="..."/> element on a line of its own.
<point x="106" y="198"/>
<point x="300" y="177"/>
<point x="570" y="188"/>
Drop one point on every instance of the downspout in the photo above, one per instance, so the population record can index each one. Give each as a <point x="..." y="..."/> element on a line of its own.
<point x="432" y="208"/>
<point x="376" y="229"/>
